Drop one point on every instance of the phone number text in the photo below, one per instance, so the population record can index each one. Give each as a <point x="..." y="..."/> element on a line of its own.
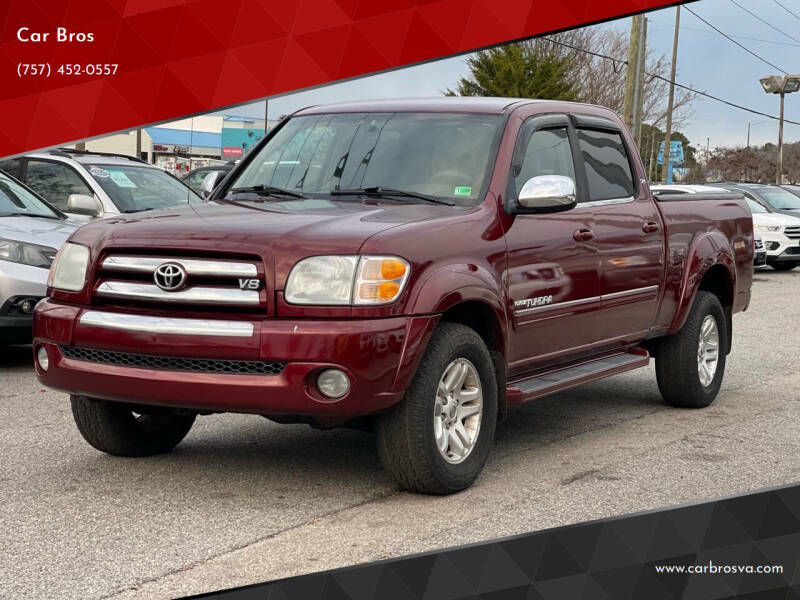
<point x="65" y="70"/>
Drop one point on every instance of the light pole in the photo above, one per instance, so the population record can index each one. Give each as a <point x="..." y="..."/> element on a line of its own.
<point x="775" y="84"/>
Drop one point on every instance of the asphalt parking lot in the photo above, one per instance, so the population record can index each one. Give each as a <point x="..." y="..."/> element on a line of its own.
<point x="244" y="500"/>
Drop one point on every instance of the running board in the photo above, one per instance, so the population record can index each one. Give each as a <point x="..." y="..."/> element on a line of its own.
<point x="522" y="390"/>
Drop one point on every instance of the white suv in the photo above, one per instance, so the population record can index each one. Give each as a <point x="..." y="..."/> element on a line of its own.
<point x="95" y="184"/>
<point x="779" y="232"/>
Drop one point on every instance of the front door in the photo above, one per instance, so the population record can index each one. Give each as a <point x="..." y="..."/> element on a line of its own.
<point x="552" y="263"/>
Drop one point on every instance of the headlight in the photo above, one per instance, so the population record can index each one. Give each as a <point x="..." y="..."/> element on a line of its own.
<point x="772" y="228"/>
<point x="322" y="280"/>
<point x="26" y="254"/>
<point x="69" y="268"/>
<point x="346" y="280"/>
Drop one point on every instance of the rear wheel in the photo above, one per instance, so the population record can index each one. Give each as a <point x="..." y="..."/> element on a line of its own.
<point x="691" y="363"/>
<point x="783" y="266"/>
<point x="129" y="430"/>
<point x="437" y="440"/>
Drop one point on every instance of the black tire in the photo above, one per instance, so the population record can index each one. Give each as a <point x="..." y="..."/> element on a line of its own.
<point x="783" y="266"/>
<point x="677" y="358"/>
<point x="115" y="428"/>
<point x="406" y="439"/>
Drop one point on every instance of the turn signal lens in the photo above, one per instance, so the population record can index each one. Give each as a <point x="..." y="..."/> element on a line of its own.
<point x="380" y="279"/>
<point x="391" y="268"/>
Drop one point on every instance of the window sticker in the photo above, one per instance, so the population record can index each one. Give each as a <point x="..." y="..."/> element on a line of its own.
<point x="98" y="172"/>
<point x="462" y="190"/>
<point x="121" y="179"/>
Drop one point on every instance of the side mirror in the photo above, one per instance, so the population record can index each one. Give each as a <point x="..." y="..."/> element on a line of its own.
<point x="547" y="193"/>
<point x="83" y="204"/>
<point x="209" y="183"/>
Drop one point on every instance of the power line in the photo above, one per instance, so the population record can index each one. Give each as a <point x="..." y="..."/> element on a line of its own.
<point x="794" y="14"/>
<point x="767" y="23"/>
<point x="685" y="87"/>
<point x="727" y="37"/>
<point x="741" y="37"/>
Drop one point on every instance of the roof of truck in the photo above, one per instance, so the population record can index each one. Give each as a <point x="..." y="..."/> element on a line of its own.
<point x="463" y="104"/>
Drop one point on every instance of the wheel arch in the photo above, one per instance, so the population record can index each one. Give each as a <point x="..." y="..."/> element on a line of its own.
<point x="710" y="272"/>
<point x="483" y="318"/>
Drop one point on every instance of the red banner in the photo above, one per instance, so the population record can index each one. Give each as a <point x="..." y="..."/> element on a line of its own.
<point x="73" y="69"/>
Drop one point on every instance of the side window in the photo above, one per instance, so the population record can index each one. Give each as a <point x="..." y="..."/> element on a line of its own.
<point x="10" y="166"/>
<point x="55" y="182"/>
<point x="608" y="171"/>
<point x="548" y="153"/>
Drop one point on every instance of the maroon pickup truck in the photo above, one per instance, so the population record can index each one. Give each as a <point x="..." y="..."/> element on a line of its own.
<point x="415" y="265"/>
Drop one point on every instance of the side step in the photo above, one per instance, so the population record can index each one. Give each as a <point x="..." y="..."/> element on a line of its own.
<point x="522" y="390"/>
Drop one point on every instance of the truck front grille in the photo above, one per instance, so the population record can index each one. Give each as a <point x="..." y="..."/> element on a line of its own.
<point x="201" y="282"/>
<point x="172" y="363"/>
<point x="792" y="232"/>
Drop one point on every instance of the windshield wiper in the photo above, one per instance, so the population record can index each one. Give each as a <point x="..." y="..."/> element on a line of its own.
<point x="24" y="214"/>
<point x="267" y="190"/>
<point x="383" y="191"/>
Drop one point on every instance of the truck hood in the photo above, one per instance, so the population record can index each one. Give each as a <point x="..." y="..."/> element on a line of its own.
<point x="283" y="231"/>
<point x="34" y="230"/>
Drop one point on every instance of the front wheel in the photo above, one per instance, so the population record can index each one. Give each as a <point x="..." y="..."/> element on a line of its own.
<point x="691" y="363"/>
<point x="437" y="440"/>
<point x="129" y="430"/>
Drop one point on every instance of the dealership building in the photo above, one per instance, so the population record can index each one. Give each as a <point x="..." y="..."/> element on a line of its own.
<point x="182" y="145"/>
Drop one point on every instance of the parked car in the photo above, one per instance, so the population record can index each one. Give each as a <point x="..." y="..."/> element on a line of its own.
<point x="795" y="189"/>
<point x="211" y="175"/>
<point x="759" y="252"/>
<point x="31" y="232"/>
<point x="763" y="221"/>
<point x="775" y="199"/>
<point x="431" y="263"/>
<point x="94" y="184"/>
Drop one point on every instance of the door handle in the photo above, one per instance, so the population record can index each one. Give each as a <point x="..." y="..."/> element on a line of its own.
<point x="650" y="227"/>
<point x="583" y="235"/>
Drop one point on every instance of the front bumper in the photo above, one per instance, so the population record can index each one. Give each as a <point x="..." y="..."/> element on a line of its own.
<point x="780" y="248"/>
<point x="18" y="283"/>
<point x="378" y="355"/>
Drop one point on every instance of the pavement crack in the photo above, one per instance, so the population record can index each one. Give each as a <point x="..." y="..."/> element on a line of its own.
<point x="189" y="566"/>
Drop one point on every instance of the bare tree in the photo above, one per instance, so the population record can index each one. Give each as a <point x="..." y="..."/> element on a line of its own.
<point x="602" y="81"/>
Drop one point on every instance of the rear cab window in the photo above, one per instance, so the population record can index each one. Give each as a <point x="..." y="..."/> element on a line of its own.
<point x="607" y="165"/>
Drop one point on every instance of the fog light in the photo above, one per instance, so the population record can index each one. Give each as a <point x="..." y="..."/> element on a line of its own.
<point x="333" y="383"/>
<point x="27" y="305"/>
<point x="42" y="358"/>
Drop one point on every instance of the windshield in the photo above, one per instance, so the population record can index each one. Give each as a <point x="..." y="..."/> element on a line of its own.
<point x="437" y="154"/>
<point x="780" y="199"/>
<point x="132" y="189"/>
<point x="15" y="200"/>
<point x="755" y="207"/>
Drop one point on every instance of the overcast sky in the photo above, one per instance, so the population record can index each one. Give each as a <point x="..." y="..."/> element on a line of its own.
<point x="706" y="61"/>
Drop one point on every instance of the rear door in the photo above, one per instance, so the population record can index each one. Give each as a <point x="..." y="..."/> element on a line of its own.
<point x="552" y="264"/>
<point x="628" y="233"/>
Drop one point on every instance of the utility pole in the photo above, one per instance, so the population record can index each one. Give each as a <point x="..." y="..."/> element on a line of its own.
<point x="266" y="115"/>
<point x="667" y="138"/>
<point x="748" y="135"/>
<point x="138" y="143"/>
<point x="632" y="73"/>
<point x="779" y="177"/>
<point x="638" y="104"/>
<point x="652" y="153"/>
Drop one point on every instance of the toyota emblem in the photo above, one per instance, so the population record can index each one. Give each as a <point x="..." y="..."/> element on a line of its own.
<point x="170" y="277"/>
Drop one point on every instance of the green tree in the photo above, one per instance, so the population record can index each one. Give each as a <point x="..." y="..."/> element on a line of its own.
<point x="516" y="71"/>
